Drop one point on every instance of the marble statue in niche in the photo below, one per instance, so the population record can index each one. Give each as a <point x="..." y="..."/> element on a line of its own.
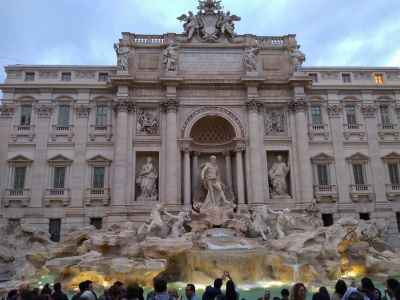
<point x="147" y="123"/>
<point x="122" y="52"/>
<point x="212" y="182"/>
<point x="275" y="122"/>
<point x="250" y="58"/>
<point x="277" y="175"/>
<point x="170" y="57"/>
<point x="298" y="58"/>
<point x="147" y="181"/>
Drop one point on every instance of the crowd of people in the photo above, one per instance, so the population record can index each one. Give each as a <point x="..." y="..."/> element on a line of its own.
<point x="365" y="291"/>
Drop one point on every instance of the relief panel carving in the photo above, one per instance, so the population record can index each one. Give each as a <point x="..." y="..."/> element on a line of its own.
<point x="275" y="121"/>
<point x="148" y="122"/>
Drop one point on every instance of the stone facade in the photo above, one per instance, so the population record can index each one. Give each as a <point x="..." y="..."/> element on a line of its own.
<point x="75" y="140"/>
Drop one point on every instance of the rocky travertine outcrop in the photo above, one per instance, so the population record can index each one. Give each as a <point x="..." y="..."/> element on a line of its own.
<point x="307" y="251"/>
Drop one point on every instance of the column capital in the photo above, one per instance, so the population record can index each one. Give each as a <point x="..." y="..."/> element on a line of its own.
<point x="170" y="104"/>
<point x="185" y="148"/>
<point x="6" y="111"/>
<point x="253" y="104"/>
<point x="297" y="104"/>
<point x="122" y="104"/>
<point x="82" y="110"/>
<point x="335" y="110"/>
<point x="44" y="110"/>
<point x="368" y="110"/>
<point x="240" y="148"/>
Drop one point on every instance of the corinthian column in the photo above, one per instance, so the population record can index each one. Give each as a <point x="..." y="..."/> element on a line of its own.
<point x="256" y="174"/>
<point x="186" y="177"/>
<point x="239" y="174"/>
<point x="170" y="106"/>
<point x="228" y="168"/>
<point x="298" y="105"/>
<point x="121" y="106"/>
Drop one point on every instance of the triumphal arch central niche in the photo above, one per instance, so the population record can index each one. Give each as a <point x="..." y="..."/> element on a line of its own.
<point x="211" y="95"/>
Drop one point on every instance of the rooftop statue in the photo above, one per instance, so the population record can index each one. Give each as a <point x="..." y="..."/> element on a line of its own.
<point x="210" y="23"/>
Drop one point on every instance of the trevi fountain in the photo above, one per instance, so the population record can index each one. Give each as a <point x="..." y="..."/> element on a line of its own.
<point x="198" y="244"/>
<point x="259" y="217"/>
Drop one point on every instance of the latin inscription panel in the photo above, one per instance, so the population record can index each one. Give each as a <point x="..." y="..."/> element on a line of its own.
<point x="210" y="62"/>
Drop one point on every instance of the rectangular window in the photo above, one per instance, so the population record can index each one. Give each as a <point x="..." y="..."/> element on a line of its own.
<point x="26" y="112"/>
<point x="378" y="78"/>
<point x="59" y="177"/>
<point x="19" y="177"/>
<point x="323" y="177"/>
<point x="66" y="76"/>
<point x="103" y="77"/>
<point x="101" y="116"/>
<point x="30" y="76"/>
<point x="358" y="170"/>
<point x="385" y="118"/>
<point x="394" y="173"/>
<point x="63" y="115"/>
<point x="314" y="77"/>
<point x="351" y="115"/>
<point x="98" y="177"/>
<point x="327" y="219"/>
<point x="346" y="77"/>
<point x="398" y="220"/>
<point x="364" y="216"/>
<point x="96" y="222"/>
<point x="316" y="115"/>
<point x="55" y="229"/>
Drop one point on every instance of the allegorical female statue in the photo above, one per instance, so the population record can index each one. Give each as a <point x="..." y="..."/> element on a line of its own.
<point x="147" y="180"/>
<point x="277" y="175"/>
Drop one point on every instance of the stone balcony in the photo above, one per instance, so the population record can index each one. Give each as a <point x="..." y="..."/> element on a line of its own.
<point x="100" y="131"/>
<point x="23" y="131"/>
<point x="393" y="192"/>
<point x="318" y="129"/>
<point x="22" y="196"/>
<point x="57" y="195"/>
<point x="97" y="195"/>
<point x="325" y="193"/>
<point x="388" y="130"/>
<point x="62" y="131"/>
<point x="361" y="192"/>
<point x="353" y="130"/>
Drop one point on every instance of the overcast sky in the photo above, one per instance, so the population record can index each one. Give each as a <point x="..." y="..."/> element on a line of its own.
<point x="331" y="32"/>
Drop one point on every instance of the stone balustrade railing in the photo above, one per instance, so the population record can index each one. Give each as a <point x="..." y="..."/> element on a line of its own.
<point x="147" y="39"/>
<point x="270" y="40"/>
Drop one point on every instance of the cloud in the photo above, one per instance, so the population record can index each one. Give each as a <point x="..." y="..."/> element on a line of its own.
<point x="334" y="33"/>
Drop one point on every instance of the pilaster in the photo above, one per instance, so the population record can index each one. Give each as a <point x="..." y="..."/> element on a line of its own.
<point x="298" y="105"/>
<point x="121" y="106"/>
<point x="253" y="105"/>
<point x="335" y="111"/>
<point x="377" y="167"/>
<point x="170" y="107"/>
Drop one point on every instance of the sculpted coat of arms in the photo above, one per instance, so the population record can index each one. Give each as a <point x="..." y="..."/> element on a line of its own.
<point x="210" y="22"/>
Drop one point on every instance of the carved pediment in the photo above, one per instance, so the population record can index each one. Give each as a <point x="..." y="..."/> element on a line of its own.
<point x="358" y="157"/>
<point x="20" y="159"/>
<point x="322" y="157"/>
<point x="99" y="159"/>
<point x="392" y="156"/>
<point x="59" y="159"/>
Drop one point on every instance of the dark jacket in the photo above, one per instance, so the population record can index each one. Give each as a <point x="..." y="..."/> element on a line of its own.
<point x="59" y="296"/>
<point x="210" y="293"/>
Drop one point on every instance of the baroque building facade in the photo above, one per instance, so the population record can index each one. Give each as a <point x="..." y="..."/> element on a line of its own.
<point x="103" y="144"/>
